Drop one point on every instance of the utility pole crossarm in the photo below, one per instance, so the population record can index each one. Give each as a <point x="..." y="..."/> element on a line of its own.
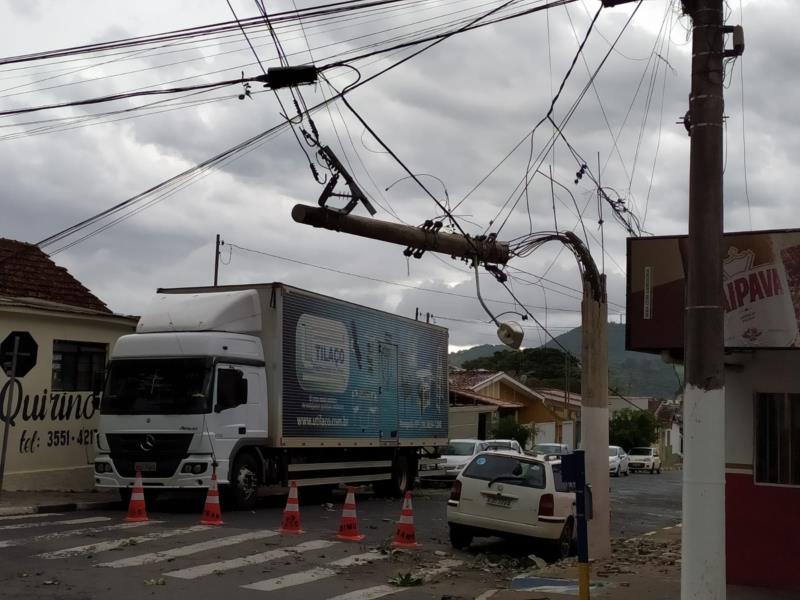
<point x="487" y="250"/>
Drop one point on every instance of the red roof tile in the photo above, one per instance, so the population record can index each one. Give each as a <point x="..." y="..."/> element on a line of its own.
<point x="467" y="380"/>
<point x="465" y="395"/>
<point x="27" y="272"/>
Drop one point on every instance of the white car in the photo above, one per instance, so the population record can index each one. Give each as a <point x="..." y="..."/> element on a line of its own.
<point x="459" y="452"/>
<point x="618" y="461"/>
<point x="549" y="451"/>
<point x="644" y="459"/>
<point x="503" y="494"/>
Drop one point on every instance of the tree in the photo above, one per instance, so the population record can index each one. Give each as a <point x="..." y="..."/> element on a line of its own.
<point x="508" y="429"/>
<point x="536" y="367"/>
<point x="630" y="428"/>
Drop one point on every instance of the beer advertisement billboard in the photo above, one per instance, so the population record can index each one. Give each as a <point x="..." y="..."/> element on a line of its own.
<point x="760" y="291"/>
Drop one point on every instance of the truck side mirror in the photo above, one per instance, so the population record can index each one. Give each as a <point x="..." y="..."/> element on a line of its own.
<point x="98" y="383"/>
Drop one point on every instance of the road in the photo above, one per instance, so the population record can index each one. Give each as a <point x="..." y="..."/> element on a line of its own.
<point x="93" y="555"/>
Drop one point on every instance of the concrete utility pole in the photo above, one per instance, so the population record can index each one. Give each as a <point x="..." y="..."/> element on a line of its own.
<point x="594" y="411"/>
<point x="703" y="558"/>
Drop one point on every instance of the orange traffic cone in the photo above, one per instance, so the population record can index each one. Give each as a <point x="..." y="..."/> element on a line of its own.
<point x="211" y="513"/>
<point x="136" y="509"/>
<point x="404" y="535"/>
<point x="348" y="526"/>
<point x="291" y="514"/>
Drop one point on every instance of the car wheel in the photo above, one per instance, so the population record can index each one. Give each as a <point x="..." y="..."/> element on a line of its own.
<point x="563" y="545"/>
<point x="627" y="471"/>
<point x="460" y="537"/>
<point x="658" y="470"/>
<point x="616" y="473"/>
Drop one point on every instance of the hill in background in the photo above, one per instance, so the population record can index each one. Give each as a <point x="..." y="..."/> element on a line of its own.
<point x="632" y="373"/>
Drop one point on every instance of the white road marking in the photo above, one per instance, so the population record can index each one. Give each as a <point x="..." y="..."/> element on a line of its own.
<point x="370" y="593"/>
<point x="316" y="573"/>
<point x="120" y="543"/>
<point x="62" y="534"/>
<point x="385" y="590"/>
<point x="245" y="561"/>
<point x="83" y="521"/>
<point x="650" y="533"/>
<point x="292" y="579"/>
<point x="154" y="557"/>
<point x="31" y="516"/>
<point x="486" y="595"/>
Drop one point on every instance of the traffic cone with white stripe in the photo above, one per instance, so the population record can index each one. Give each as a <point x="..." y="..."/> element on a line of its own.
<point x="405" y="534"/>
<point x="348" y="526"/>
<point x="291" y="514"/>
<point x="136" y="508"/>
<point x="212" y="515"/>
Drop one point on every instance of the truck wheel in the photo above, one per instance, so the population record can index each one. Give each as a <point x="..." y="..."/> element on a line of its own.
<point x="460" y="537"/>
<point x="404" y="471"/>
<point x="243" y="489"/>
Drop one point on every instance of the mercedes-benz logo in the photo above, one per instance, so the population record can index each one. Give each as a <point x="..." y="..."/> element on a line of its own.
<point x="148" y="443"/>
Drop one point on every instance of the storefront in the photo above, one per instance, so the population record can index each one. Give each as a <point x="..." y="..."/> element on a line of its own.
<point x="53" y="416"/>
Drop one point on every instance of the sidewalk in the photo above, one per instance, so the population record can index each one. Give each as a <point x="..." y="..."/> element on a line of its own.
<point x="26" y="503"/>
<point x="643" y="568"/>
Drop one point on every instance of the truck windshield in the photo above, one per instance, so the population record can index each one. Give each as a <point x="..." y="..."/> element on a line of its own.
<point x="166" y="386"/>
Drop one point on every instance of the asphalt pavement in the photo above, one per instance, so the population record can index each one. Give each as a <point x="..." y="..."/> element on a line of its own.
<point x="94" y="555"/>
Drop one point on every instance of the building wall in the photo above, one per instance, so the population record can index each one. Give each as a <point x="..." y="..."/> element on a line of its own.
<point x="51" y="442"/>
<point x="762" y="520"/>
<point x="463" y="420"/>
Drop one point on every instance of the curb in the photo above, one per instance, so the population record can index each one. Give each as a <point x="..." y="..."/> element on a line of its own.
<point x="10" y="511"/>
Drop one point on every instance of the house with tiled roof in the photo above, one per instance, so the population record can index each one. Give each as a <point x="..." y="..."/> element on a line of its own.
<point x="544" y="410"/>
<point x="53" y="414"/>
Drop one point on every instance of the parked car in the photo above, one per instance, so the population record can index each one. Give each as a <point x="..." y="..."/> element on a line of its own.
<point x="459" y="452"/>
<point x="549" y="451"/>
<point x="644" y="459"/>
<point x="618" y="461"/>
<point x="512" y="495"/>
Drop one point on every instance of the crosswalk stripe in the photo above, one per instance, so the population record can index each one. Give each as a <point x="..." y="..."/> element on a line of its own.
<point x="154" y="557"/>
<point x="385" y="590"/>
<point x="72" y="532"/>
<point x="82" y="521"/>
<point x="120" y="543"/>
<point x="315" y="574"/>
<point x="370" y="593"/>
<point x="30" y="516"/>
<point x="292" y="579"/>
<point x="245" y="561"/>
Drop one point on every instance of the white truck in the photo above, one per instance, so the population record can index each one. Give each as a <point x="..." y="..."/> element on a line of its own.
<point x="270" y="383"/>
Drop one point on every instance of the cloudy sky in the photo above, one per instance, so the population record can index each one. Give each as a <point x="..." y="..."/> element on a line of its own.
<point x="453" y="112"/>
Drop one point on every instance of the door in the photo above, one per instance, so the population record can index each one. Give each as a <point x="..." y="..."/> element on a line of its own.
<point x="482" y="425"/>
<point x="388" y="394"/>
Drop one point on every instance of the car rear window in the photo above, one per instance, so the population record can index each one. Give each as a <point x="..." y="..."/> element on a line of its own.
<point x="460" y="449"/>
<point x="514" y="471"/>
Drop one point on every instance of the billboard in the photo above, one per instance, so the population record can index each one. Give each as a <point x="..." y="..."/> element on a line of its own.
<point x="760" y="291"/>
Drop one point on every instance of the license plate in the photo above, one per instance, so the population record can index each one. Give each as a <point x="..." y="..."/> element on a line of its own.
<point x="145" y="467"/>
<point x="498" y="501"/>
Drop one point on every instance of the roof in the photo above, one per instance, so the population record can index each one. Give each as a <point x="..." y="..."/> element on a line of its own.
<point x="470" y="397"/>
<point x="468" y="380"/>
<point x="556" y="396"/>
<point x="27" y="272"/>
<point x="667" y="414"/>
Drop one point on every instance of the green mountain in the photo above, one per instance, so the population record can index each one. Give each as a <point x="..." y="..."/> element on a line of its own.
<point x="631" y="373"/>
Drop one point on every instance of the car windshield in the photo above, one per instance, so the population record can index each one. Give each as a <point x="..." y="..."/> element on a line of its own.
<point x="506" y="469"/>
<point x="162" y="386"/>
<point x="612" y="451"/>
<point x="547" y="449"/>
<point x="460" y="449"/>
<point x="640" y="452"/>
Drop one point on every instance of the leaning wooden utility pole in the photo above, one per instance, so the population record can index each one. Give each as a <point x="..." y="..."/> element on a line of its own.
<point x="703" y="543"/>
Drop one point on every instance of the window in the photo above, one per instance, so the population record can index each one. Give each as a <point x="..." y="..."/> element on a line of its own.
<point x="777" y="425"/>
<point x="231" y="389"/>
<point x="75" y="365"/>
<point x="507" y="469"/>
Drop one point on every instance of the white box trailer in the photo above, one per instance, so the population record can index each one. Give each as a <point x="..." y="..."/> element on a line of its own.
<point x="271" y="383"/>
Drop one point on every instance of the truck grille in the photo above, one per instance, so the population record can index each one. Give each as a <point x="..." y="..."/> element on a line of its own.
<point x="166" y="450"/>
